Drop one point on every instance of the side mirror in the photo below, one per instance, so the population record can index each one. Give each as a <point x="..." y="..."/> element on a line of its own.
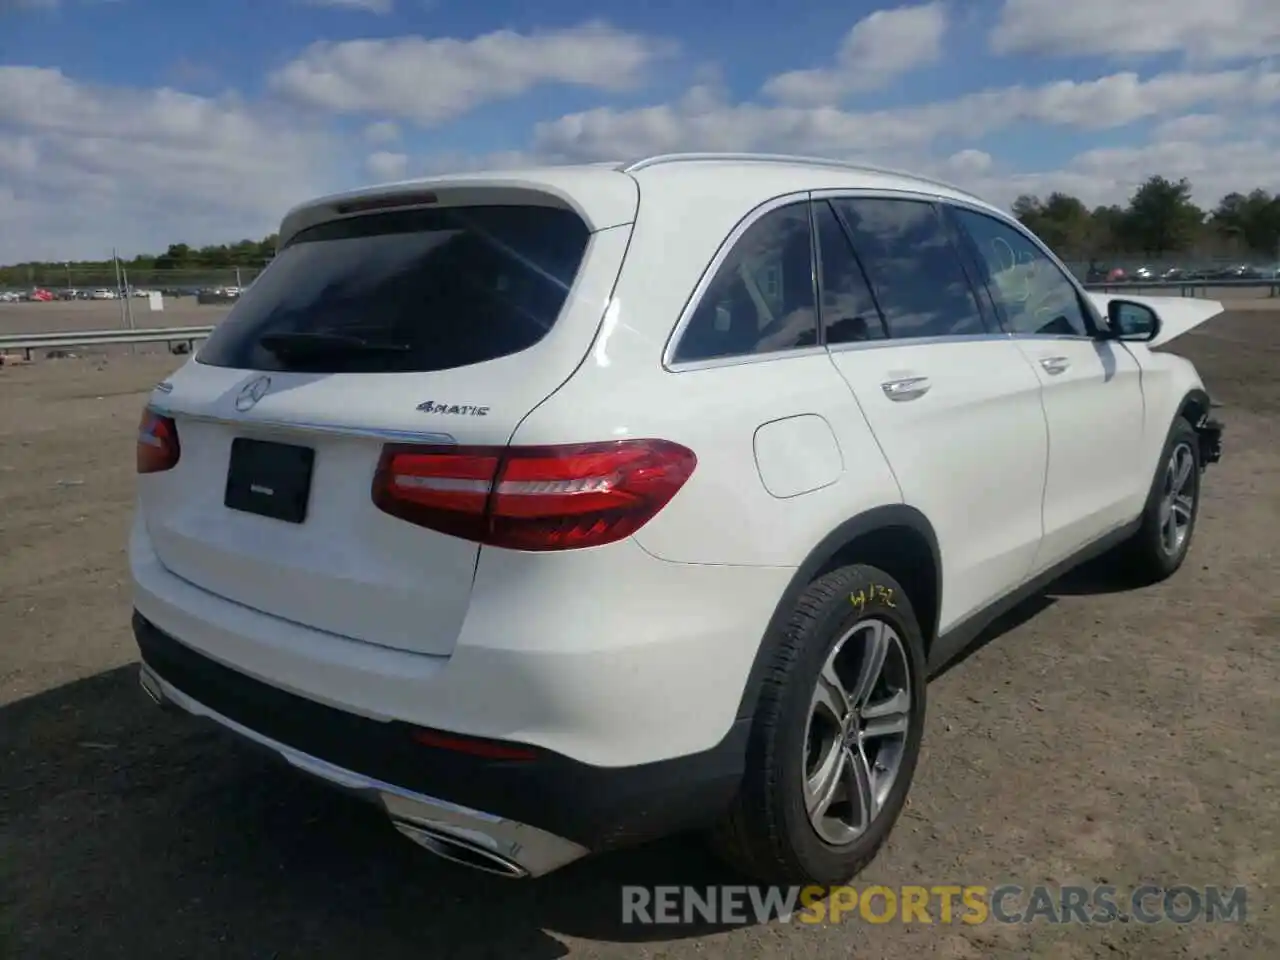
<point x="1133" y="321"/>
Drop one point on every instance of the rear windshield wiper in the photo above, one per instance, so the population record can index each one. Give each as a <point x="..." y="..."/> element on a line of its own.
<point x="326" y="344"/>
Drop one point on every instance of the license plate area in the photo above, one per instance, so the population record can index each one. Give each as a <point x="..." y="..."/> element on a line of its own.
<point x="269" y="479"/>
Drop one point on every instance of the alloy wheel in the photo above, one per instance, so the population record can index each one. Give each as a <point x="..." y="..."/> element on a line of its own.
<point x="855" y="739"/>
<point x="1177" y="500"/>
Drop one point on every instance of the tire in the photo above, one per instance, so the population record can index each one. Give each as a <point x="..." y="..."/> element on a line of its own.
<point x="768" y="833"/>
<point x="1154" y="553"/>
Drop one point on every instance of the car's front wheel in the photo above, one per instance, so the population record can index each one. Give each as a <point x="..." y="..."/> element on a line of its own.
<point x="836" y="735"/>
<point x="1161" y="543"/>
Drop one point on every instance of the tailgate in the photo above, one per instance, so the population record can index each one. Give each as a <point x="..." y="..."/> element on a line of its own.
<point x="436" y="329"/>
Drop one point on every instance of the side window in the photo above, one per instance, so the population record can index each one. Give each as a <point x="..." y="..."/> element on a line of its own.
<point x="848" y="311"/>
<point x="914" y="270"/>
<point x="1033" y="292"/>
<point x="761" y="299"/>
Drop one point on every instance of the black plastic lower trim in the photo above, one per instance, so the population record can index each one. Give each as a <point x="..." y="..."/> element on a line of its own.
<point x="952" y="643"/>
<point x="1210" y="433"/>
<point x="597" y="807"/>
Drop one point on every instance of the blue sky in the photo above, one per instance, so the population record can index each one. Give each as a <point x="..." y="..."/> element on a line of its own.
<point x="135" y="123"/>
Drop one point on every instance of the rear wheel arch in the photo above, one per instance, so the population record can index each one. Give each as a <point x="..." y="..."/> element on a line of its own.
<point x="896" y="538"/>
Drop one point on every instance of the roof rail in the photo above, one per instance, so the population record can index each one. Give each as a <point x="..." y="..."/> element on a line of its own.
<point x="662" y="158"/>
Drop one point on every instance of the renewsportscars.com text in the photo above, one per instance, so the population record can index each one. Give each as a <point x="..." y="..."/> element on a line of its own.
<point x="940" y="904"/>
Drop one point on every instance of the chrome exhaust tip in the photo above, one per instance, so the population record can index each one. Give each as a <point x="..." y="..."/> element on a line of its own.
<point x="150" y="684"/>
<point x="461" y="851"/>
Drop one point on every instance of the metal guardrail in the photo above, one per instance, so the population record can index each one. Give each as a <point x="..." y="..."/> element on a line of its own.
<point x="1187" y="288"/>
<point x="30" y="342"/>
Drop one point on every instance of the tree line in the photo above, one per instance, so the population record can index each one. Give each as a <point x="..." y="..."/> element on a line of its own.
<point x="179" y="264"/>
<point x="1160" y="221"/>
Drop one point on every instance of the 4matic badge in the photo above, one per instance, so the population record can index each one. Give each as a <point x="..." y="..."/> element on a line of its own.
<point x="456" y="409"/>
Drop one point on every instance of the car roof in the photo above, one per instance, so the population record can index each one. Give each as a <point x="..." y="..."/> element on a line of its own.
<point x="606" y="194"/>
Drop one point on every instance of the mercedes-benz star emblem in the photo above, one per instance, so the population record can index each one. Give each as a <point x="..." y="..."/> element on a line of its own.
<point x="252" y="392"/>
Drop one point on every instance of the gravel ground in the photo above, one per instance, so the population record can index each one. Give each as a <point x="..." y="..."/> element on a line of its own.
<point x="1096" y="737"/>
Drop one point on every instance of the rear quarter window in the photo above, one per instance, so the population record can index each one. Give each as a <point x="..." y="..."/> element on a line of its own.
<point x="409" y="291"/>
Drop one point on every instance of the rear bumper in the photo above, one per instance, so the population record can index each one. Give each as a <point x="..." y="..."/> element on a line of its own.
<point x="528" y="816"/>
<point x="610" y="656"/>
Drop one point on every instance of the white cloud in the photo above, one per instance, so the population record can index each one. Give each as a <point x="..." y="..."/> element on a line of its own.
<point x="433" y="80"/>
<point x="875" y="51"/>
<point x="1204" y="29"/>
<point x="86" y="168"/>
<point x="1193" y="126"/>
<point x="19" y="156"/>
<point x="387" y="166"/>
<point x="708" y="122"/>
<point x="372" y="6"/>
<point x="382" y="131"/>
<point x="969" y="163"/>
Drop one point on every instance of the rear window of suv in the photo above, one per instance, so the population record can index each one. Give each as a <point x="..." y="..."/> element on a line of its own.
<point x="406" y="291"/>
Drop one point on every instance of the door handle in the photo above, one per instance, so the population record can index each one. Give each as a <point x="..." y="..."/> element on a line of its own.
<point x="1055" y="365"/>
<point x="908" y="388"/>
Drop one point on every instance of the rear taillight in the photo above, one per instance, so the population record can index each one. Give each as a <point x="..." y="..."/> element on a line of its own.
<point x="532" y="498"/>
<point x="158" y="448"/>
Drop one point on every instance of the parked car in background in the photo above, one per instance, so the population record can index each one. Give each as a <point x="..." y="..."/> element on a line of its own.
<point x="643" y="498"/>
<point x="103" y="293"/>
<point x="218" y="295"/>
<point x="1240" y="271"/>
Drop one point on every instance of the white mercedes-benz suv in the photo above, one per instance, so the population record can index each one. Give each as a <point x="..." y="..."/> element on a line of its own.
<point x="560" y="509"/>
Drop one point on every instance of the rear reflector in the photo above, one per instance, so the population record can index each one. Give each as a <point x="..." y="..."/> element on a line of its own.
<point x="489" y="749"/>
<point x="158" y="448"/>
<point x="532" y="498"/>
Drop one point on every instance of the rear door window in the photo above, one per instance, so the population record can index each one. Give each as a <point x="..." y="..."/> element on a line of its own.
<point x="406" y="291"/>
<point x="915" y="271"/>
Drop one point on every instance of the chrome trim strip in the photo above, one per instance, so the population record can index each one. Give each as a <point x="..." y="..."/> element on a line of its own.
<point x="534" y="851"/>
<point x="884" y="342"/>
<point x="305" y="426"/>
<point x="888" y="342"/>
<point x="714" y="363"/>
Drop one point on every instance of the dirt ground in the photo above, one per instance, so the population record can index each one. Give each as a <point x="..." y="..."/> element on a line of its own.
<point x="1096" y="737"/>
